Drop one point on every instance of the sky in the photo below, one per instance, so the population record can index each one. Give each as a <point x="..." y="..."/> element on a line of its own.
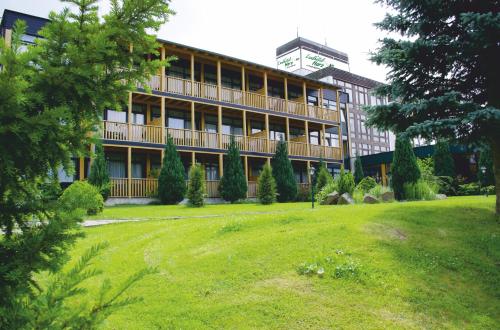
<point x="252" y="30"/>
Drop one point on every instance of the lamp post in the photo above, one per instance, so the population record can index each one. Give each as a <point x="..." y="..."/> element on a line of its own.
<point x="483" y="170"/>
<point x="311" y="172"/>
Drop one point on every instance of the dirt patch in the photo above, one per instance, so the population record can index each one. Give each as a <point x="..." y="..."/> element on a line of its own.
<point x="386" y="231"/>
<point x="297" y="284"/>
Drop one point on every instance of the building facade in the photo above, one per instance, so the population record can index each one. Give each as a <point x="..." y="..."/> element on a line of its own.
<point x="201" y="100"/>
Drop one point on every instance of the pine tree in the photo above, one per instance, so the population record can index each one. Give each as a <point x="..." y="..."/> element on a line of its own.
<point x="171" y="182"/>
<point x="233" y="184"/>
<point x="346" y="182"/>
<point x="404" y="166"/>
<point x="358" y="170"/>
<point x="323" y="177"/>
<point x="266" y="186"/>
<point x="99" y="173"/>
<point x="283" y="174"/>
<point x="444" y="164"/>
<point x="443" y="73"/>
<point x="486" y="161"/>
<point x="196" y="189"/>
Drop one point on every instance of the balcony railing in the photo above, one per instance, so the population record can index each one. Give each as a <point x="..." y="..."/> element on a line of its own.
<point x="201" y="139"/>
<point x="186" y="87"/>
<point x="149" y="188"/>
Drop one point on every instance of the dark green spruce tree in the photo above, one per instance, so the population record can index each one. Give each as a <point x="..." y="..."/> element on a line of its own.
<point x="323" y="177"/>
<point x="486" y="161"/>
<point x="358" y="170"/>
<point x="233" y="184"/>
<point x="286" y="185"/>
<point x="99" y="173"/>
<point x="443" y="73"/>
<point x="266" y="186"/>
<point x="404" y="167"/>
<point x="444" y="165"/>
<point x="171" y="182"/>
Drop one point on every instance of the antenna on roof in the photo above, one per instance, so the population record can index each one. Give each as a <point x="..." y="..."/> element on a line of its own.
<point x="326" y="44"/>
<point x="297" y="31"/>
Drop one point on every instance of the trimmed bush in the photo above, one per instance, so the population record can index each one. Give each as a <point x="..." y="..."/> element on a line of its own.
<point x="266" y="186"/>
<point x="233" y="184"/>
<point x="366" y="184"/>
<point x="323" y="177"/>
<point x="196" y="188"/>
<point x="444" y="165"/>
<point x="418" y="191"/>
<point x="358" y="170"/>
<point x="171" y="182"/>
<point x="81" y="195"/>
<point x="99" y="173"/>
<point x="404" y="166"/>
<point x="286" y="185"/>
<point x="346" y="182"/>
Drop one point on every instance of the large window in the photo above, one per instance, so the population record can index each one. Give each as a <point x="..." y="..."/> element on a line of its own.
<point x="277" y="132"/>
<point x="116" y="165"/>
<point x="178" y="119"/>
<point x="232" y="126"/>
<point x="231" y="79"/>
<point x="179" y="68"/>
<point x="332" y="137"/>
<point x="211" y="171"/>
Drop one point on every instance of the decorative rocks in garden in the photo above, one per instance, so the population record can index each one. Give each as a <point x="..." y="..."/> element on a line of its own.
<point x="331" y="198"/>
<point x="388" y="196"/>
<point x="370" y="199"/>
<point x="345" y="199"/>
<point x="441" y="196"/>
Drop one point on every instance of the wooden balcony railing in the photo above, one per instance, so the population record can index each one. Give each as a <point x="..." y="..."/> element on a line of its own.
<point x="256" y="144"/>
<point x="297" y="148"/>
<point x="119" y="187"/>
<point x="212" y="188"/>
<point x="252" y="189"/>
<point x="144" y="187"/>
<point x="276" y="104"/>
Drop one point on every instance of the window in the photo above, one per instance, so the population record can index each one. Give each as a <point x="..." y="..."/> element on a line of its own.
<point x="256" y="127"/>
<point x="211" y="171"/>
<point x="296" y="132"/>
<point x="179" y="68"/>
<point x="116" y="165"/>
<point x="232" y="126"/>
<point x="332" y="137"/>
<point x="277" y="132"/>
<point x="178" y="119"/>
<point x="231" y="79"/>
<point x="314" y="137"/>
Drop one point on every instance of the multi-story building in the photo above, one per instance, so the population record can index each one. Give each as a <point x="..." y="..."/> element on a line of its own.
<point x="201" y="100"/>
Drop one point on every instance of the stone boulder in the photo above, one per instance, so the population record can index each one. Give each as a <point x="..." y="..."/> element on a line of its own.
<point x="370" y="199"/>
<point x="331" y="199"/>
<point x="345" y="199"/>
<point x="388" y="196"/>
<point x="441" y="196"/>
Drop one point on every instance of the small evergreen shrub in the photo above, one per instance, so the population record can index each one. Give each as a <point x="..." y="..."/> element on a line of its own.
<point x="404" y="166"/>
<point x="346" y="182"/>
<point x="328" y="189"/>
<point x="358" y="170"/>
<point x="82" y="195"/>
<point x="171" y="182"/>
<point x="233" y="184"/>
<point x="266" y="186"/>
<point x="358" y="195"/>
<point x="196" y="190"/>
<point x="418" y="191"/>
<point x="282" y="169"/>
<point x="323" y="177"/>
<point x="379" y="190"/>
<point x="99" y="174"/>
<point x="366" y="184"/>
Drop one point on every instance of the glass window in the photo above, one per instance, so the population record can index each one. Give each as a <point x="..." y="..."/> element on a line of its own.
<point x="314" y="137"/>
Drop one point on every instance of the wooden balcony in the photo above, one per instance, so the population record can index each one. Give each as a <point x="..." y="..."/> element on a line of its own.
<point x="198" y="89"/>
<point x="148" y="188"/>
<point x="201" y="139"/>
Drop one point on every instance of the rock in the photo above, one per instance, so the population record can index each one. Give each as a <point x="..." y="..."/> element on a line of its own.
<point x="345" y="199"/>
<point x="370" y="199"/>
<point x="331" y="199"/>
<point x="441" y="196"/>
<point x="388" y="196"/>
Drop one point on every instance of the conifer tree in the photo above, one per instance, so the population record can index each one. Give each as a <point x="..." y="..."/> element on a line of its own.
<point x="196" y="189"/>
<point x="171" y="182"/>
<point x="323" y="177"/>
<point x="443" y="73"/>
<point x="358" y="170"/>
<point x="346" y="182"/>
<point x="266" y="186"/>
<point x="486" y="161"/>
<point x="283" y="174"/>
<point x="404" y="167"/>
<point x="99" y="173"/>
<point x="233" y="184"/>
<point x="444" y="164"/>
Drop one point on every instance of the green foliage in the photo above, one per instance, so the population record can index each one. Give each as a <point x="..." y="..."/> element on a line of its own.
<point x="358" y="170"/>
<point x="82" y="195"/>
<point x="366" y="184"/>
<point x="358" y="195"/>
<point x="171" y="182"/>
<point x="426" y="167"/>
<point x="419" y="190"/>
<point x="404" y="166"/>
<point x="486" y="161"/>
<point x="196" y="189"/>
<point x="346" y="182"/>
<point x="329" y="188"/>
<point x="379" y="190"/>
<point x="286" y="185"/>
<point x="80" y="67"/>
<point x="99" y="174"/>
<point x="473" y="188"/>
<point x="233" y="184"/>
<point x="446" y="185"/>
<point x="337" y="266"/>
<point x="444" y="165"/>
<point x="303" y="194"/>
<point x="323" y="177"/>
<point x="266" y="186"/>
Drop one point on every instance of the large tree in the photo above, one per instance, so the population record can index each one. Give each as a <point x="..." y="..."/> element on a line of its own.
<point x="443" y="72"/>
<point x="286" y="185"/>
<point x="233" y="184"/>
<point x="51" y="96"/>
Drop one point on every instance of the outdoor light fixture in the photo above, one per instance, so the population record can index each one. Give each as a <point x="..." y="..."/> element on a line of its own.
<point x="483" y="170"/>
<point x="311" y="173"/>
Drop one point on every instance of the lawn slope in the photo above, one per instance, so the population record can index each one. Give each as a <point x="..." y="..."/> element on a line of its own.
<point x="399" y="265"/>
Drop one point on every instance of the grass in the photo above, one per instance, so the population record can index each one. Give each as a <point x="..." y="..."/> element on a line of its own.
<point x="400" y="265"/>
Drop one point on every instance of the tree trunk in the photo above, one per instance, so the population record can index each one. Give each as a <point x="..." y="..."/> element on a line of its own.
<point x="495" y="150"/>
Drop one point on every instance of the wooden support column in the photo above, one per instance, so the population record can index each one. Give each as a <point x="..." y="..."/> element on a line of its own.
<point x="221" y="165"/>
<point x="320" y="102"/>
<point x="268" y="161"/>
<point x="219" y="81"/>
<point x="129" y="171"/>
<point x="192" y="74"/>
<point x="285" y="85"/>
<point x="202" y="121"/>
<point x="163" y="86"/>
<point x="193" y="158"/>
<point x="129" y="116"/>
<point x="304" y="93"/>
<point x="148" y="113"/>
<point x="162" y="119"/>
<point x="192" y="124"/>
<point x="322" y="141"/>
<point x="148" y="165"/>
<point x="245" y="161"/>
<point x="8" y="37"/>
<point x="219" y="125"/>
<point x="244" y="130"/>
<point x="243" y="83"/>
<point x="309" y="171"/>
<point x="82" y="168"/>
<point x="287" y="133"/>
<point x="267" y="133"/>
<point x="265" y="90"/>
<point x="383" y="174"/>
<point x="306" y="123"/>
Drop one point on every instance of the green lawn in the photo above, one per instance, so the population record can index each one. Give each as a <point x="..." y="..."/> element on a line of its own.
<point x="400" y="265"/>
